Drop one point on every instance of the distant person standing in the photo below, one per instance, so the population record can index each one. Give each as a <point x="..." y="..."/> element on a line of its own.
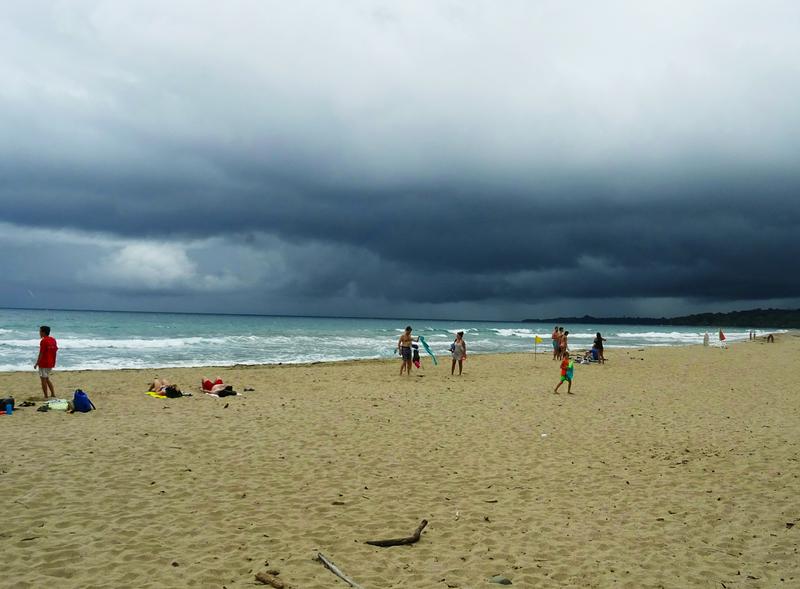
<point x="705" y="339"/>
<point x="459" y="351"/>
<point x="48" y="348"/>
<point x="555" y="336"/>
<point x="563" y="344"/>
<point x="598" y="345"/>
<point x="404" y="348"/>
<point x="558" y="343"/>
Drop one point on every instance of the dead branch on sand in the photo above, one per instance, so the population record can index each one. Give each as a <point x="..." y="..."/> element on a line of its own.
<point x="401" y="541"/>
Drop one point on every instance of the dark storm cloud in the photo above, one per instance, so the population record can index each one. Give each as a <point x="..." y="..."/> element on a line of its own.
<point x="477" y="153"/>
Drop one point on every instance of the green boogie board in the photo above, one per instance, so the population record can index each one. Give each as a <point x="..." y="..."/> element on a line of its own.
<point x="428" y="349"/>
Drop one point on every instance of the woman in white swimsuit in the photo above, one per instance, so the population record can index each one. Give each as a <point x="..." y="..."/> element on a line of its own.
<point x="459" y="351"/>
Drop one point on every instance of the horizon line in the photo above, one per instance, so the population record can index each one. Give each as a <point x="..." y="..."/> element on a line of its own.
<point x="288" y="316"/>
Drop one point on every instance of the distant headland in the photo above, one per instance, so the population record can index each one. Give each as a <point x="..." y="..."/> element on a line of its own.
<point x="785" y="318"/>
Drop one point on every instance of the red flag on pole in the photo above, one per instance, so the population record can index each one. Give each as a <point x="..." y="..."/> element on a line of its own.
<point x="721" y="336"/>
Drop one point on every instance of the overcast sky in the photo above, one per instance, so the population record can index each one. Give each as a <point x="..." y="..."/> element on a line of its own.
<point x="494" y="160"/>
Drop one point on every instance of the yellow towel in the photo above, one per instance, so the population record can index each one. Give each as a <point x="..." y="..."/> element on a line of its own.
<point x="156" y="395"/>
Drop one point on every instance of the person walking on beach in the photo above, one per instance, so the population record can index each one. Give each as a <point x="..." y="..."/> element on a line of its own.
<point x="459" y="351"/>
<point x="404" y="348"/>
<point x="48" y="348"/>
<point x="567" y="370"/>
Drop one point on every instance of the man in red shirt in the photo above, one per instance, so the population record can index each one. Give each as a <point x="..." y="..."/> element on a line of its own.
<point x="47" y="359"/>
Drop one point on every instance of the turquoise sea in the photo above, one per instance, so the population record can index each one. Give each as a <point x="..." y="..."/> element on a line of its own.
<point x="104" y="340"/>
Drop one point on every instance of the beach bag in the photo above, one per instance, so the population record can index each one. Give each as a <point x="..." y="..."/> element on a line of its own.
<point x="6" y="401"/>
<point x="81" y="402"/>
<point x="172" y="392"/>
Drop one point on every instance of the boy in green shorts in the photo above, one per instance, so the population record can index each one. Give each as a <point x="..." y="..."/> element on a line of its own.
<point x="567" y="370"/>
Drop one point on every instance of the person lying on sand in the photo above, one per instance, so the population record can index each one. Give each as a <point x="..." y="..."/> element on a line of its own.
<point x="163" y="387"/>
<point x="213" y="387"/>
<point x="217" y="387"/>
<point x="159" y="385"/>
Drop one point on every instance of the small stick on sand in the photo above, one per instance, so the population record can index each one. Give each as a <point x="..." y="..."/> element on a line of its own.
<point x="400" y="541"/>
<point x="270" y="579"/>
<point x="335" y="570"/>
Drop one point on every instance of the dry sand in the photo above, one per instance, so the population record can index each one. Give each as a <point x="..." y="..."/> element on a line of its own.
<point x="667" y="468"/>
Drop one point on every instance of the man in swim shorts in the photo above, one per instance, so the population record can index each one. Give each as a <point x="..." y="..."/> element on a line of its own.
<point x="404" y="348"/>
<point x="563" y="344"/>
<point x="555" y="336"/>
<point x="48" y="348"/>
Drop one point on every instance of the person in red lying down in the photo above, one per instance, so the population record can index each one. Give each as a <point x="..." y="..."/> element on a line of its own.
<point x="217" y="387"/>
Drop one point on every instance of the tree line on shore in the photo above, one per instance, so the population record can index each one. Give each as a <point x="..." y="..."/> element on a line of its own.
<point x="776" y="318"/>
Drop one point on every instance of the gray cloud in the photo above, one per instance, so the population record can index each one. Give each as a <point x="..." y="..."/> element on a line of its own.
<point x="492" y="160"/>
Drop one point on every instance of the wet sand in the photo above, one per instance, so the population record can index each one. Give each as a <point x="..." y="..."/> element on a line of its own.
<point x="669" y="467"/>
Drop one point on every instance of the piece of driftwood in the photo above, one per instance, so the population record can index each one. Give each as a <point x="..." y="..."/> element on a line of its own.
<point x="335" y="570"/>
<point x="400" y="541"/>
<point x="271" y="580"/>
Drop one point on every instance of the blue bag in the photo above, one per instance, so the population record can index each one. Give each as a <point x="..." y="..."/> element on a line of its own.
<point x="81" y="402"/>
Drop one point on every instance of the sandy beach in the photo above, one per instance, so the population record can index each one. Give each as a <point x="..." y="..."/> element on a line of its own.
<point x="668" y="467"/>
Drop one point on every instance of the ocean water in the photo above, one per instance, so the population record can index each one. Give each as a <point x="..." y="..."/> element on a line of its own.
<point x="104" y="340"/>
